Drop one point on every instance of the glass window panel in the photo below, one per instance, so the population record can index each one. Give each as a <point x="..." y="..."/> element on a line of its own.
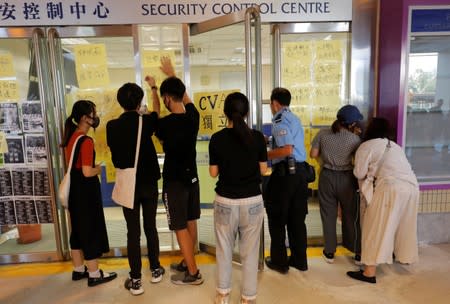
<point x="427" y="135"/>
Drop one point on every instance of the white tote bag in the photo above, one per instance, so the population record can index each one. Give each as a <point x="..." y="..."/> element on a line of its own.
<point x="64" y="186"/>
<point x="124" y="187"/>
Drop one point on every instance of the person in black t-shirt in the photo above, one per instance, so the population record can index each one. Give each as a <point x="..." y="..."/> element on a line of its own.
<point x="181" y="193"/>
<point x="121" y="135"/>
<point x="238" y="155"/>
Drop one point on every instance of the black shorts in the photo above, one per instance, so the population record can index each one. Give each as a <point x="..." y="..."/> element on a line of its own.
<point x="182" y="203"/>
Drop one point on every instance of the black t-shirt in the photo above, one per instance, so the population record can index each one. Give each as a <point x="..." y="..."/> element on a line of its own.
<point x="178" y="133"/>
<point x="239" y="172"/>
<point x="121" y="136"/>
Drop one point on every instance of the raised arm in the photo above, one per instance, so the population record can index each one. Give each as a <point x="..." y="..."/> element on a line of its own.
<point x="167" y="67"/>
<point x="155" y="98"/>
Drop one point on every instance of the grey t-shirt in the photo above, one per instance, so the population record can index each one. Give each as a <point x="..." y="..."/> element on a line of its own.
<point x="336" y="149"/>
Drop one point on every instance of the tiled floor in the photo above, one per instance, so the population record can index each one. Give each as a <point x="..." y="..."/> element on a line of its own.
<point x="425" y="282"/>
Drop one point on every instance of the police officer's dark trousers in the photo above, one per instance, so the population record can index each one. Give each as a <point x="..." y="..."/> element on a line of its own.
<point x="286" y="205"/>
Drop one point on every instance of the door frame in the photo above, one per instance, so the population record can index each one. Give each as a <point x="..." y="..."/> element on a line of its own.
<point x="250" y="17"/>
<point x="40" y="56"/>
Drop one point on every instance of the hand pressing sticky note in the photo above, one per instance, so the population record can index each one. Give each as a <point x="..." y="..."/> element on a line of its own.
<point x="3" y="144"/>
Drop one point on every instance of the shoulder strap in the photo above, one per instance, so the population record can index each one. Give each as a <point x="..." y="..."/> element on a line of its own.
<point x="380" y="162"/>
<point x="138" y="143"/>
<point x="74" y="147"/>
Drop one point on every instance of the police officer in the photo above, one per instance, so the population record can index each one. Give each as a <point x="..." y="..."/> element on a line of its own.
<point x="287" y="190"/>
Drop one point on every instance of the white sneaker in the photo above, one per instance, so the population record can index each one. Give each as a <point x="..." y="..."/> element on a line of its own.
<point x="328" y="257"/>
<point x="222" y="298"/>
<point x="134" y="286"/>
<point x="157" y="274"/>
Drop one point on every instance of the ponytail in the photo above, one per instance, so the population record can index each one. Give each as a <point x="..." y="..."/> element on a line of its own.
<point x="69" y="129"/>
<point x="242" y="130"/>
<point x="236" y="109"/>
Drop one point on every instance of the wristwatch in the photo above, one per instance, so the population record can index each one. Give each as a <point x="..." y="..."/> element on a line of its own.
<point x="154" y="87"/>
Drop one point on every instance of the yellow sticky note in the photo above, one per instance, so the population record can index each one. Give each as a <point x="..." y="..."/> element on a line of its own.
<point x="156" y="73"/>
<point x="6" y="66"/>
<point x="299" y="51"/>
<point x="152" y="58"/>
<point x="92" y="76"/>
<point x="327" y="73"/>
<point x="324" y="115"/>
<point x="302" y="95"/>
<point x="110" y="172"/>
<point x="328" y="50"/>
<point x="327" y="95"/>
<point x="307" y="137"/>
<point x="302" y="112"/>
<point x="90" y="54"/>
<point x="3" y="143"/>
<point x="93" y="95"/>
<point x="9" y="90"/>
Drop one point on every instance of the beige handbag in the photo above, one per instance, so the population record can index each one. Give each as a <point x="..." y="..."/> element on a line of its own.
<point x="124" y="187"/>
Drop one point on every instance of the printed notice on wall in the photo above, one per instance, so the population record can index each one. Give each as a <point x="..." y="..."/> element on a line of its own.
<point x="32" y="120"/>
<point x="9" y="117"/>
<point x="25" y="196"/>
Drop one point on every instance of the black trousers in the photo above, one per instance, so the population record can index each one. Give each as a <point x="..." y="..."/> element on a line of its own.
<point x="147" y="197"/>
<point x="286" y="206"/>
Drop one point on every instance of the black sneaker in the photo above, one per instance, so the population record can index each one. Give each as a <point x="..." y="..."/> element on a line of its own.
<point x="103" y="278"/>
<point x="79" y="275"/>
<point x="329" y="257"/>
<point x="180" y="267"/>
<point x="359" y="275"/>
<point x="157" y="274"/>
<point x="280" y="269"/>
<point x="187" y="278"/>
<point x="134" y="286"/>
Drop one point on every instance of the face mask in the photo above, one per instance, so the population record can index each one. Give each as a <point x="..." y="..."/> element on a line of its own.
<point x="95" y="122"/>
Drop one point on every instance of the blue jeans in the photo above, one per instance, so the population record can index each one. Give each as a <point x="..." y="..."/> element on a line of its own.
<point x="244" y="217"/>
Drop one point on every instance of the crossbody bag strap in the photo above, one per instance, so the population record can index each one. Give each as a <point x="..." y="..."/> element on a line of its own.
<point x="138" y="143"/>
<point x="74" y="147"/>
<point x="380" y="162"/>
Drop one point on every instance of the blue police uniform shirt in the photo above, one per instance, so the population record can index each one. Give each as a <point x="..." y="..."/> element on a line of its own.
<point x="287" y="130"/>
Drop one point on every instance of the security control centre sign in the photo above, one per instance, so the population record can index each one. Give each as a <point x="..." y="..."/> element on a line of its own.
<point x="89" y="12"/>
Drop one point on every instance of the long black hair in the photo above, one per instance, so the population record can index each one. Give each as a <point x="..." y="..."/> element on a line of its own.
<point x="80" y="108"/>
<point x="236" y="109"/>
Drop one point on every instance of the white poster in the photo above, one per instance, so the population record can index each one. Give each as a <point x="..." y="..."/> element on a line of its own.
<point x="32" y="116"/>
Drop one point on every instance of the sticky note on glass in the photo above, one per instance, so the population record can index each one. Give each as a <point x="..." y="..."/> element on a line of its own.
<point x="3" y="143"/>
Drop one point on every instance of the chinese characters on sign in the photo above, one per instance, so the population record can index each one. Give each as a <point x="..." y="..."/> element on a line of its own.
<point x="36" y="10"/>
<point x="210" y="107"/>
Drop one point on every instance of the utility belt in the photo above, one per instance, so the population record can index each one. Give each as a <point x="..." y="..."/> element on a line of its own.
<point x="285" y="169"/>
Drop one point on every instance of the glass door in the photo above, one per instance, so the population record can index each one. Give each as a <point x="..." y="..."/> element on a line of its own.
<point x="312" y="60"/>
<point x="225" y="56"/>
<point x="29" y="218"/>
<point x="93" y="63"/>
